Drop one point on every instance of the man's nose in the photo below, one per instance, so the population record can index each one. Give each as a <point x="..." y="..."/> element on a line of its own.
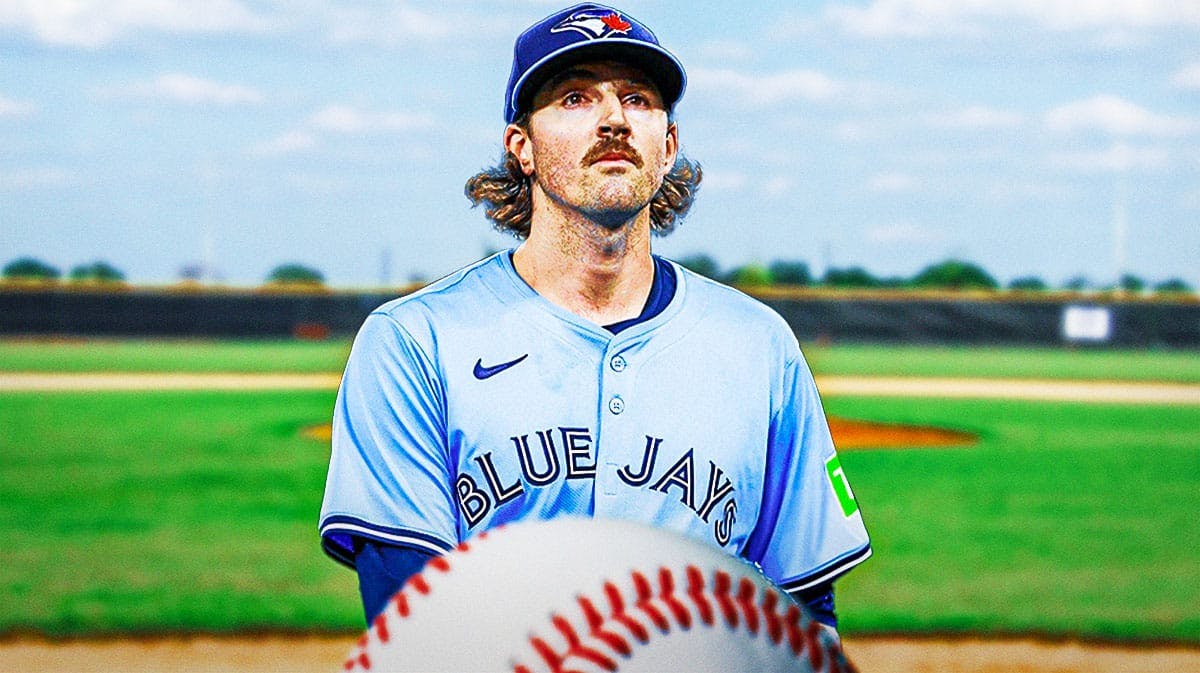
<point x="612" y="118"/>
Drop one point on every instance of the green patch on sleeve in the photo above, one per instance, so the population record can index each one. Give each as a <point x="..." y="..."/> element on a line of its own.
<point x="841" y="487"/>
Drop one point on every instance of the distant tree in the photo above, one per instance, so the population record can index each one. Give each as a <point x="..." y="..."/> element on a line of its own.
<point x="750" y="275"/>
<point x="1077" y="284"/>
<point x="790" y="273"/>
<point x="702" y="264"/>
<point x="1131" y="283"/>
<point x="100" y="272"/>
<point x="1027" y="283"/>
<point x="1173" y="286"/>
<point x="855" y="276"/>
<point x="296" y="273"/>
<point x="29" y="268"/>
<point x="191" y="272"/>
<point x="954" y="274"/>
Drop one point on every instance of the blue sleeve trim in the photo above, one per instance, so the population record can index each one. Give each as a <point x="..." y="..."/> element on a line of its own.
<point x="338" y="533"/>
<point x="382" y="571"/>
<point x="819" y="602"/>
<point x="829" y="572"/>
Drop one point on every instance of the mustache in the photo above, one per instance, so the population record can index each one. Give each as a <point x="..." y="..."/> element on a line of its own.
<point x="612" y="145"/>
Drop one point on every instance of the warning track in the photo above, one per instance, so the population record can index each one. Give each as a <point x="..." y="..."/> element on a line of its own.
<point x="1021" y="389"/>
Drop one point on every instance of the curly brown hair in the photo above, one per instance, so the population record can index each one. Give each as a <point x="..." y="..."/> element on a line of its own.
<point x="506" y="192"/>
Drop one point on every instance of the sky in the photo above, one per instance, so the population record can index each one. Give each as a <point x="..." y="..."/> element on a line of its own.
<point x="1049" y="138"/>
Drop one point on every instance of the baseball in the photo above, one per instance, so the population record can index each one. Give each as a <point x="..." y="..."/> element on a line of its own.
<point x="574" y="594"/>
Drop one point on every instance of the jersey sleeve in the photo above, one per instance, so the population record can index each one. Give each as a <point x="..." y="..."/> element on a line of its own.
<point x="810" y="529"/>
<point x="389" y="478"/>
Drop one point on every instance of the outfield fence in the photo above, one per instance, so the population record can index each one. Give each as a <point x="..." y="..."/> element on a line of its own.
<point x="998" y="318"/>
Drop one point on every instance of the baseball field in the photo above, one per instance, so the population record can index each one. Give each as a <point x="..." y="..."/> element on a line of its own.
<point x="133" y="518"/>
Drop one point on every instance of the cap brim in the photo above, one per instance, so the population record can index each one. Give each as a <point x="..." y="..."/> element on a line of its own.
<point x="659" y="64"/>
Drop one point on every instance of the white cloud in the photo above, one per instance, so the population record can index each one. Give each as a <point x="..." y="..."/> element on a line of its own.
<point x="1116" y="116"/>
<point x="96" y="23"/>
<point x="15" y="108"/>
<point x="1118" y="158"/>
<point x="762" y="90"/>
<point x="724" y="51"/>
<point x="976" y="117"/>
<point x="346" y="119"/>
<point x="341" y="120"/>
<point x="923" y="18"/>
<point x="1188" y="77"/>
<point x="892" y="182"/>
<point x="287" y="143"/>
<point x="398" y="24"/>
<point x="186" y="89"/>
<point x="195" y="90"/>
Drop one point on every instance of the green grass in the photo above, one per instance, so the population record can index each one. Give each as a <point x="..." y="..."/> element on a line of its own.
<point x="170" y="512"/>
<point x="1065" y="520"/>
<point x="173" y="355"/>
<point x="1177" y="366"/>
<point x="196" y="512"/>
<point x="270" y="356"/>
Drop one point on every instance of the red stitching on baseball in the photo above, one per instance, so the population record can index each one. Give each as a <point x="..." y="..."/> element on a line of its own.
<point x="774" y="624"/>
<point x="799" y="637"/>
<point x="576" y="648"/>
<point x="595" y="622"/>
<point x="695" y="591"/>
<point x="791" y="624"/>
<point x="418" y="583"/>
<point x="401" y="602"/>
<point x="547" y="653"/>
<point x="617" y="605"/>
<point x="381" y="628"/>
<point x="836" y="659"/>
<point x="666" y="582"/>
<point x="722" y="583"/>
<point x="814" y="644"/>
<point x="645" y="602"/>
<point x="745" y="598"/>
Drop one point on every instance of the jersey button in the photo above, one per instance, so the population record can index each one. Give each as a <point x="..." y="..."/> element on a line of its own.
<point x="616" y="405"/>
<point x="618" y="364"/>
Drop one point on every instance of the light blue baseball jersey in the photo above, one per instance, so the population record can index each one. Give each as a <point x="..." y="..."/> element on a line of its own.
<point x="475" y="402"/>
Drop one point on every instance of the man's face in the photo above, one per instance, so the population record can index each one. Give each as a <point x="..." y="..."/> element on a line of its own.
<point x="598" y="141"/>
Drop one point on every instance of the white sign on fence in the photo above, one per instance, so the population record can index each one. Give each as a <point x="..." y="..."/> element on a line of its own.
<point x="1087" y="323"/>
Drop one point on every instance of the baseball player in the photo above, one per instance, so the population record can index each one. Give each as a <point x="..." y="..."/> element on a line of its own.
<point x="579" y="374"/>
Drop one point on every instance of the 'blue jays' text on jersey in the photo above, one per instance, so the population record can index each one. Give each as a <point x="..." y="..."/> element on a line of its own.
<point x="476" y="402"/>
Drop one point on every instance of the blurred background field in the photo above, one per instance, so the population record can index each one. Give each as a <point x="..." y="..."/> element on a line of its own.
<point x="195" y="512"/>
<point x="80" y="355"/>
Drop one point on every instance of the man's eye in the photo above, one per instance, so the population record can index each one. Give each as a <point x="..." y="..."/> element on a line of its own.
<point x="573" y="98"/>
<point x="637" y="99"/>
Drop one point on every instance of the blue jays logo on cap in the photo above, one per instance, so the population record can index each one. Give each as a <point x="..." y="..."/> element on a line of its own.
<point x="579" y="33"/>
<point x="594" y="24"/>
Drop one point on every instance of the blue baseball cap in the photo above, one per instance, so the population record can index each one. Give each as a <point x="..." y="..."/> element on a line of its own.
<point x="587" y="32"/>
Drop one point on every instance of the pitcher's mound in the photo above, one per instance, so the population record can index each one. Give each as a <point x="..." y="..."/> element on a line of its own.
<point x="852" y="434"/>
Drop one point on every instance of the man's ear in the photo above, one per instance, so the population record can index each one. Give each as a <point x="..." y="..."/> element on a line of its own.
<point x="517" y="143"/>
<point x="672" y="146"/>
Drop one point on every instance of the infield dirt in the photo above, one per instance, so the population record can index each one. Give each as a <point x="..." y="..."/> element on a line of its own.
<point x="319" y="654"/>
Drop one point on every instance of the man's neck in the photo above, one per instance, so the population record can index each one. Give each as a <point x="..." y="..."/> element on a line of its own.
<point x="600" y="273"/>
